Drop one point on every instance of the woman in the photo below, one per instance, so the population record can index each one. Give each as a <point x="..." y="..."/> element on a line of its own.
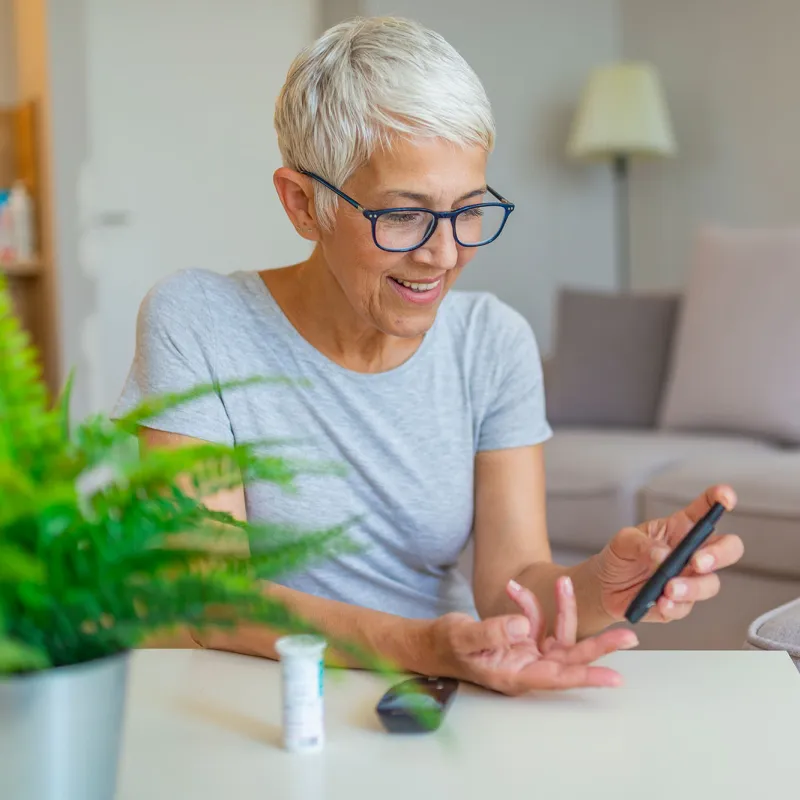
<point x="432" y="397"/>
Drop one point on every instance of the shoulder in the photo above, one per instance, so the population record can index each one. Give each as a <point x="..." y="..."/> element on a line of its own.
<point x="485" y="321"/>
<point x="186" y="288"/>
<point x="497" y="348"/>
<point x="189" y="297"/>
<point x="493" y="341"/>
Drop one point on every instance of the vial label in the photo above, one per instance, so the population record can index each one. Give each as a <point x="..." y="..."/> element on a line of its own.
<point x="303" y="713"/>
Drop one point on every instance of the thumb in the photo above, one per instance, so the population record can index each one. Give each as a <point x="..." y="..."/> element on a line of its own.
<point x="632" y="544"/>
<point x="493" y="633"/>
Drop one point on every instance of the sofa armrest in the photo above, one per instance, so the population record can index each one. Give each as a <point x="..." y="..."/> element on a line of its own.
<point x="778" y="629"/>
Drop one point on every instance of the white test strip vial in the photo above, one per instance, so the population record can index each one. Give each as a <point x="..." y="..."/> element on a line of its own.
<point x="302" y="676"/>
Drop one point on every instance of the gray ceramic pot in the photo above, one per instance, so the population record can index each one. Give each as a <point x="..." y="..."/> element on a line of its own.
<point x="60" y="731"/>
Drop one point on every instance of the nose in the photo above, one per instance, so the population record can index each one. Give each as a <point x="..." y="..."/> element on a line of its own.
<point x="441" y="250"/>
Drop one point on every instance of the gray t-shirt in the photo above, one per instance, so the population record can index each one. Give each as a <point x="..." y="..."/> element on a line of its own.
<point x="407" y="437"/>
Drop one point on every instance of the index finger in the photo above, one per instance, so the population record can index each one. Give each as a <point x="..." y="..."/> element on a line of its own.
<point x="566" y="628"/>
<point x="530" y="606"/>
<point x="548" y="675"/>
<point x="701" y="505"/>
<point x="588" y="650"/>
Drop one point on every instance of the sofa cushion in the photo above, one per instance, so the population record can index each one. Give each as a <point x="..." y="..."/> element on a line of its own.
<point x="594" y="476"/>
<point x="736" y="360"/>
<point x="767" y="515"/>
<point x="610" y="357"/>
<point x="778" y="629"/>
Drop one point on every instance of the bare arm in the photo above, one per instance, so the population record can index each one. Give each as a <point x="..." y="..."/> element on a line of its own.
<point x="511" y="540"/>
<point x="406" y="643"/>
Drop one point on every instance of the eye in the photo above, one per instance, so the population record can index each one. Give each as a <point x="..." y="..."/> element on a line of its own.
<point x="403" y="217"/>
<point x="472" y="212"/>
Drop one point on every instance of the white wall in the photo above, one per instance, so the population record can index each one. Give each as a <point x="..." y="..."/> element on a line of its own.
<point x="66" y="47"/>
<point x="533" y="56"/>
<point x="730" y="70"/>
<point x="165" y="153"/>
<point x="208" y="73"/>
<point x="164" y="150"/>
<point x="333" y="11"/>
<point x="8" y="59"/>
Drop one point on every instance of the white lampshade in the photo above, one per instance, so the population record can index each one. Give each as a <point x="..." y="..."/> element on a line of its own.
<point x="622" y="112"/>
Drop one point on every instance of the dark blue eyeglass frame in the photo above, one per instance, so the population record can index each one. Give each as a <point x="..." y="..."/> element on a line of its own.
<point x="374" y="214"/>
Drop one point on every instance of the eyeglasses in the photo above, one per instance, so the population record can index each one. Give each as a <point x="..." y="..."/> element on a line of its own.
<point x="398" y="230"/>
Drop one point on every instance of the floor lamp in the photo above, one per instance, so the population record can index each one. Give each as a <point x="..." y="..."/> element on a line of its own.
<point x="622" y="114"/>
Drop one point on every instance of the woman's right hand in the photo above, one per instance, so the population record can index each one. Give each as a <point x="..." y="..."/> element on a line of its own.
<point x="510" y="654"/>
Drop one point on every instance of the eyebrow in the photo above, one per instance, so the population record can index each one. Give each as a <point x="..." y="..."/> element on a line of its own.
<point x="416" y="197"/>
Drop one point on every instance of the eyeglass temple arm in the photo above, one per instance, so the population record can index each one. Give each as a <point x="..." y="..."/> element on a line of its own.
<point x="358" y="206"/>
<point x="499" y="196"/>
<point x="330" y="186"/>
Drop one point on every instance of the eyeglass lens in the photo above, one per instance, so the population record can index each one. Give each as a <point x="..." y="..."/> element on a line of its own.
<point x="401" y="230"/>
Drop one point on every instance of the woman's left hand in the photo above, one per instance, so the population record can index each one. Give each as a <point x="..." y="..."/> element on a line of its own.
<point x="632" y="556"/>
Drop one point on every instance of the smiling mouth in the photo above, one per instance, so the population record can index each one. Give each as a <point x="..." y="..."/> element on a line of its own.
<point x="418" y="286"/>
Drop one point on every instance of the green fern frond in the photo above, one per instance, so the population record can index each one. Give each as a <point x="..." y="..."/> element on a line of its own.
<point x="14" y="483"/>
<point x="153" y="406"/>
<point x="26" y="424"/>
<point x="18" y="566"/>
<point x="62" y="406"/>
<point x="103" y="545"/>
<point x="17" y="656"/>
<point x="205" y="464"/>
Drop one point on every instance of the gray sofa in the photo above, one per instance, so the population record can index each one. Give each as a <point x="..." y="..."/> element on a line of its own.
<point x="651" y="401"/>
<point x="777" y="629"/>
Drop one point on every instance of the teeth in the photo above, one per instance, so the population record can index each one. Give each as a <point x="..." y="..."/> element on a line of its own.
<point x="419" y="287"/>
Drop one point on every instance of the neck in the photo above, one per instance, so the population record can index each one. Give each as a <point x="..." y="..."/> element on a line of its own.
<point x="313" y="301"/>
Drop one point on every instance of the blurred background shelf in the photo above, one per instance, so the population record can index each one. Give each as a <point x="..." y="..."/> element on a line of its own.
<point x="22" y="269"/>
<point x="31" y="283"/>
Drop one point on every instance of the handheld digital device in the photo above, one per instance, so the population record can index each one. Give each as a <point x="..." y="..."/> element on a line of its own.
<point x="417" y="705"/>
<point x="674" y="564"/>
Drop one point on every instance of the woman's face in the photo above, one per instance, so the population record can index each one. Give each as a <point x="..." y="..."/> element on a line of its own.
<point x="429" y="174"/>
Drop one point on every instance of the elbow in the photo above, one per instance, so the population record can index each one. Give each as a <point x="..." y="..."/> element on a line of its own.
<point x="491" y="603"/>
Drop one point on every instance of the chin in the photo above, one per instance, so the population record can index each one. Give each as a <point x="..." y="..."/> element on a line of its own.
<point x="411" y="316"/>
<point x="410" y="326"/>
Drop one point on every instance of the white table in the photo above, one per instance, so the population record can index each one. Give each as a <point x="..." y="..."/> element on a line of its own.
<point x="206" y="726"/>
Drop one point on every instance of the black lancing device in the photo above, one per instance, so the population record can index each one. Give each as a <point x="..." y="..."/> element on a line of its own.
<point x="674" y="564"/>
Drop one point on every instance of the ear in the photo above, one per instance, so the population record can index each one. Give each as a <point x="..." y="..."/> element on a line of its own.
<point x="296" y="194"/>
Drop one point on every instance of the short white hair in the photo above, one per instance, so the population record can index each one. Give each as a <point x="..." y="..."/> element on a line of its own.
<point x="365" y="82"/>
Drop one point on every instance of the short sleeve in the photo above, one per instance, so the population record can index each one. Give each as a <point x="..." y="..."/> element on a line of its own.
<point x="515" y="414"/>
<point x="175" y="351"/>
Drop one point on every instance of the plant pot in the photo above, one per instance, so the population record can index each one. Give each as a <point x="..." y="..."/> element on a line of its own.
<point x="60" y="731"/>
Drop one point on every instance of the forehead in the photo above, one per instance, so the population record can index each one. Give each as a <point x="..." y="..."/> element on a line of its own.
<point x="432" y="168"/>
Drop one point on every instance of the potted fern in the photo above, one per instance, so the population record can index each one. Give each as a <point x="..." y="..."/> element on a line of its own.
<point x="90" y="568"/>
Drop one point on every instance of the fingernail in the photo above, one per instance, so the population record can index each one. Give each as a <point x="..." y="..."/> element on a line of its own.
<point x="659" y="554"/>
<point x="705" y="562"/>
<point x="679" y="589"/>
<point x="630" y="643"/>
<point x="518" y="628"/>
<point x="567" y="587"/>
<point x="668" y="605"/>
<point x="514" y="586"/>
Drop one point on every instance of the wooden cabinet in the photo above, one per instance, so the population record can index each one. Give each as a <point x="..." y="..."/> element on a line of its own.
<point x="21" y="158"/>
